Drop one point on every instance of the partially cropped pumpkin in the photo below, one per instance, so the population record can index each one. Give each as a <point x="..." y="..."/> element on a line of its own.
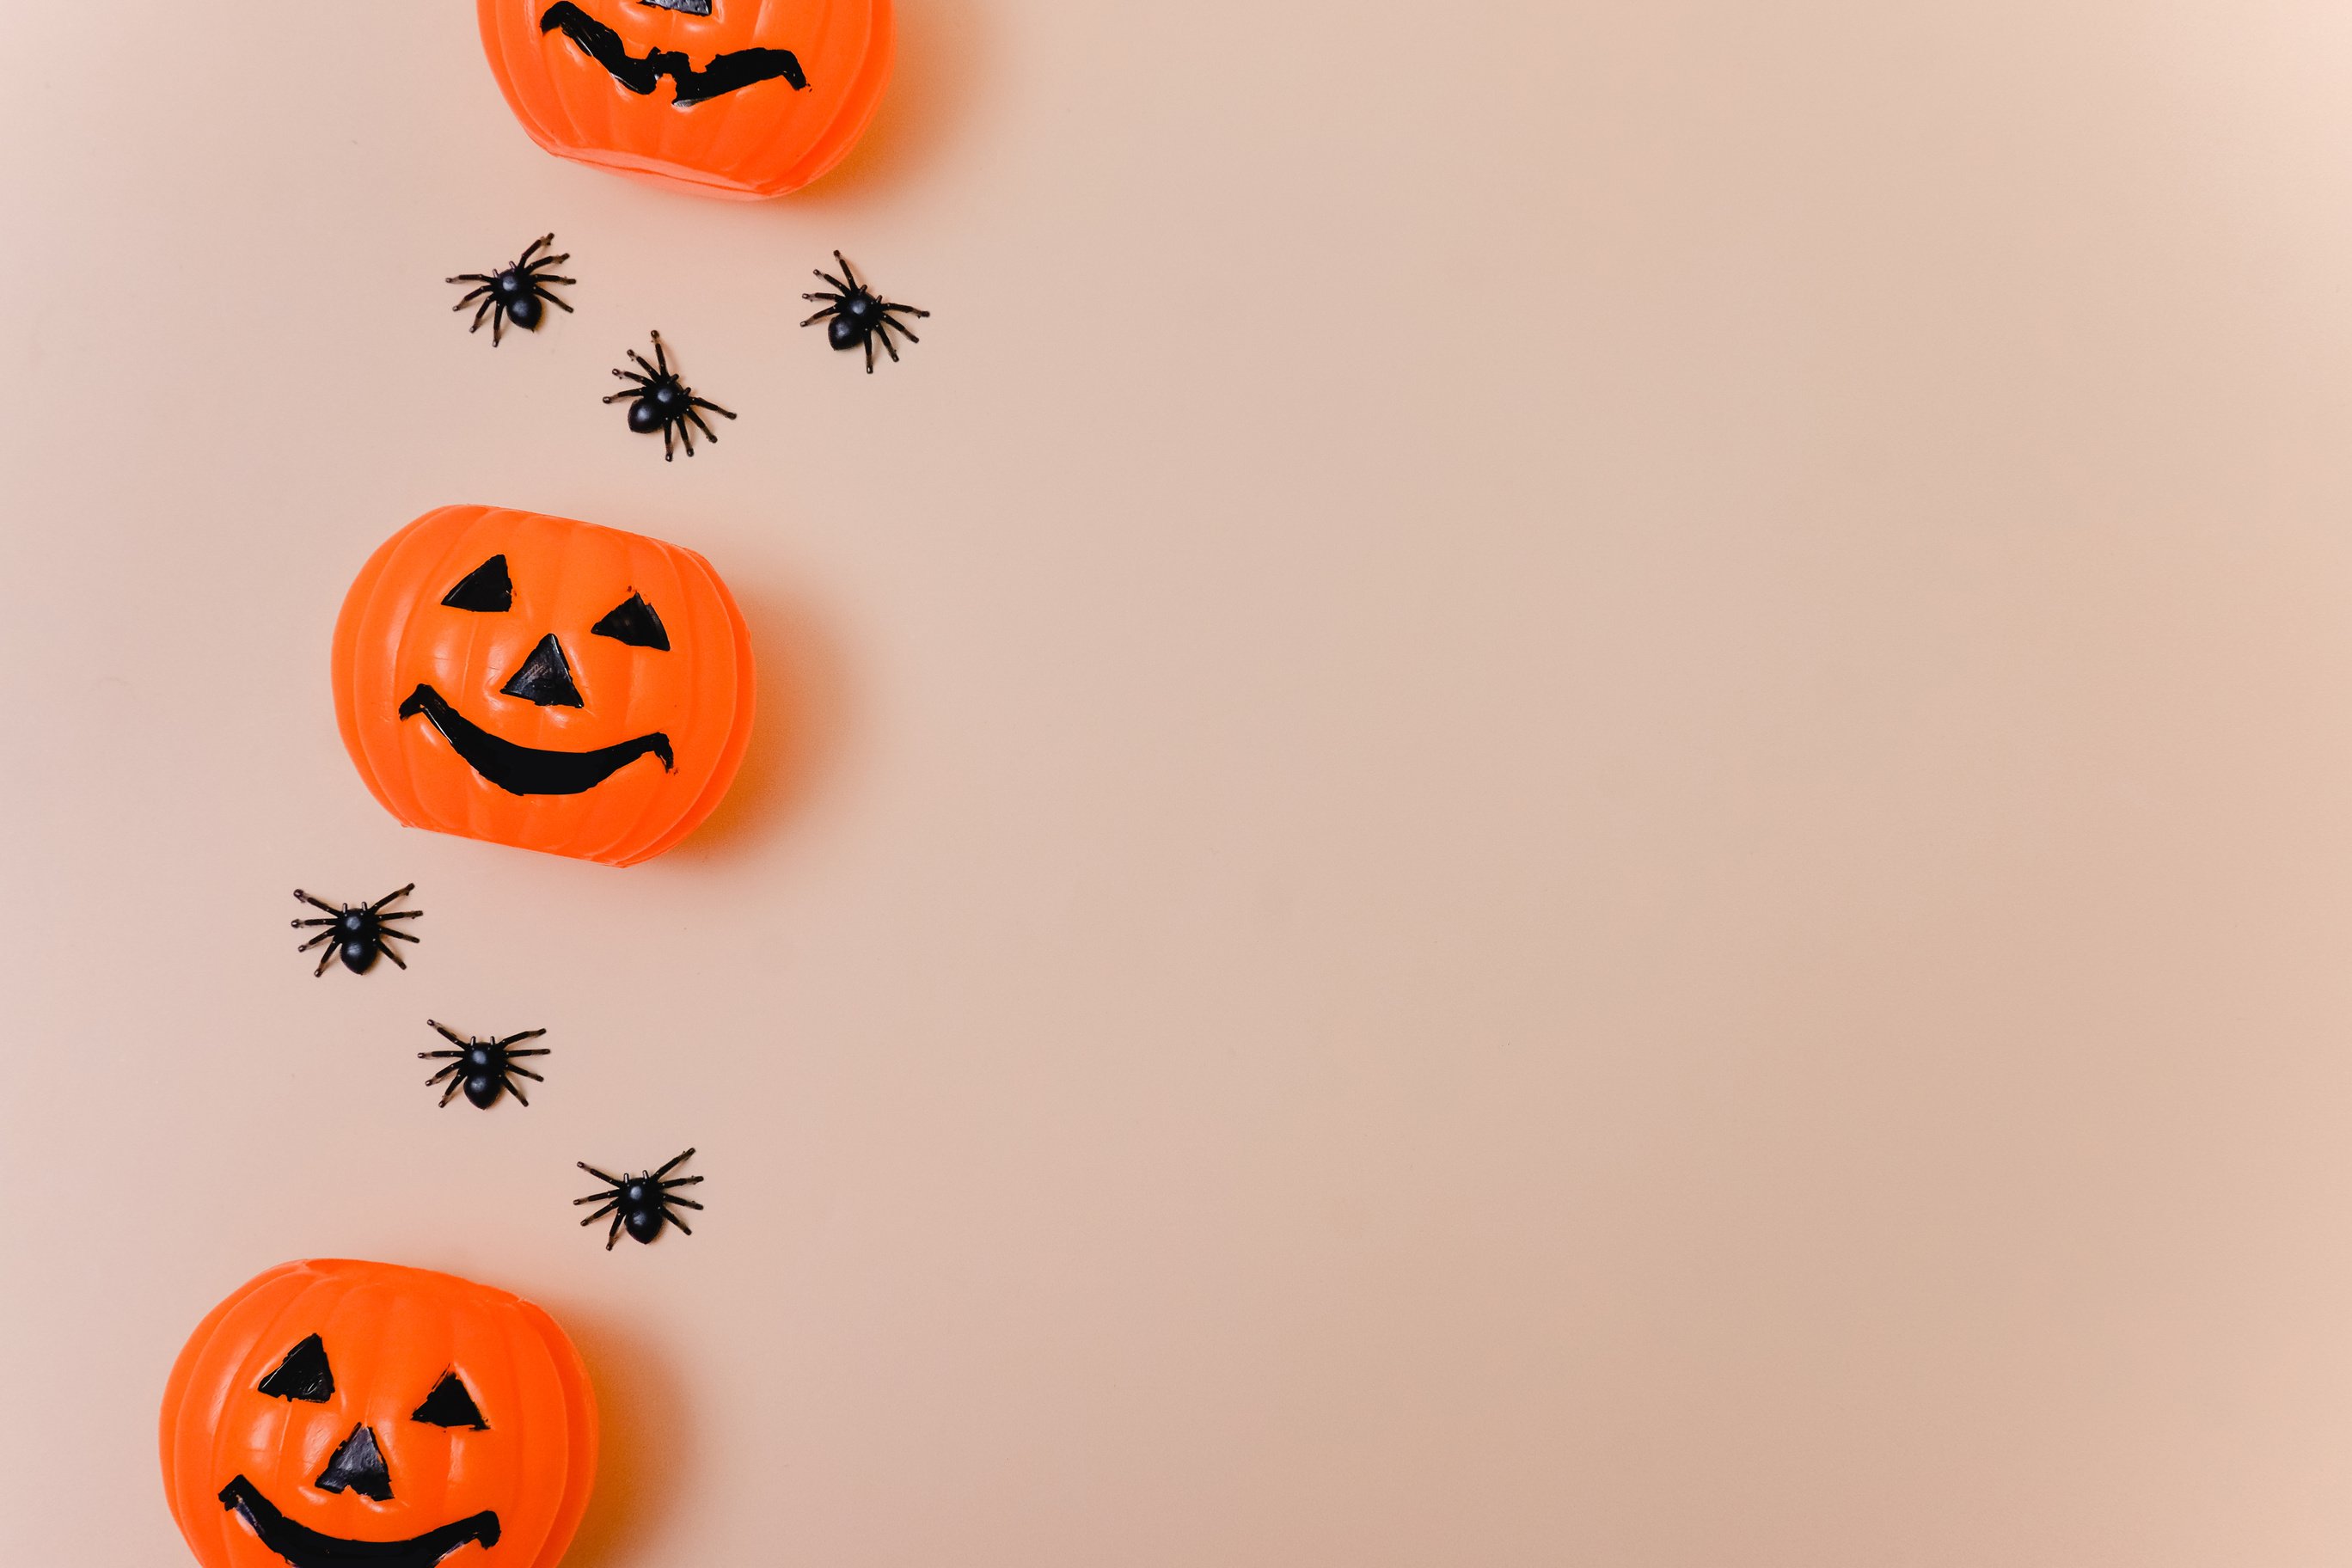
<point x="730" y="98"/>
<point x="335" y="1412"/>
<point x="544" y="683"/>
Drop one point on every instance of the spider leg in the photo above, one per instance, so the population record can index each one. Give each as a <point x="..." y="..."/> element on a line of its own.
<point x="526" y="1072"/>
<point x="665" y="1170"/>
<point x="693" y="402"/>
<point x="298" y="925"/>
<point x="633" y="375"/>
<point x="470" y="297"/>
<point x="677" y="1221"/>
<point x="553" y="301"/>
<point x="678" y="1181"/>
<point x="686" y="431"/>
<point x="429" y="1056"/>
<point x="445" y="1072"/>
<point x="837" y="282"/>
<point x="900" y="327"/>
<point x="821" y="315"/>
<point x="319" y="903"/>
<point x="848" y="270"/>
<point x="600" y="1213"/>
<point x="524" y="258"/>
<point x="473" y="277"/>
<point x="450" y="1093"/>
<point x="398" y="961"/>
<point x="674" y="1198"/>
<point x="535" y="1051"/>
<point x="882" y="330"/>
<point x="325" y="958"/>
<point x="821" y="294"/>
<point x="616" y="1235"/>
<point x="661" y="355"/>
<point x="917" y="309"/>
<point x="487" y="306"/>
<point x="395" y="893"/>
<point x="669" y="452"/>
<point x="870" y="353"/>
<point x="448" y="1034"/>
<point x="650" y="372"/>
<point x="708" y="434"/>
<point x="498" y="323"/>
<point x="511" y="1087"/>
<point x="323" y="936"/>
<point x="599" y="1175"/>
<point x="389" y="930"/>
<point x="526" y="1035"/>
<point x="631" y="391"/>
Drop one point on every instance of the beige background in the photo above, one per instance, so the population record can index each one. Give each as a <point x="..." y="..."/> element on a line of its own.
<point x="1569" y="784"/>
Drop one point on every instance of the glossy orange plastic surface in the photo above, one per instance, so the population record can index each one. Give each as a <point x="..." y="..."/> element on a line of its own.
<point x="761" y="139"/>
<point x="386" y="1338"/>
<point x="488" y="722"/>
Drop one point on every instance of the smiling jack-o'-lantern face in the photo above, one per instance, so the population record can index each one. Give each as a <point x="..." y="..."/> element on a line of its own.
<point x="540" y="682"/>
<point x="732" y="98"/>
<point x="336" y="1412"/>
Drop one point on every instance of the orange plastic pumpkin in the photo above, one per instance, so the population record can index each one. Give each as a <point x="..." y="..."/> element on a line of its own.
<point x="332" y="1413"/>
<point x="540" y="682"/>
<point x="732" y="98"/>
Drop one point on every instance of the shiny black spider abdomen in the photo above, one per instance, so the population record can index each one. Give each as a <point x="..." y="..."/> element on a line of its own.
<point x="859" y="315"/>
<point x="514" y="292"/>
<point x="659" y="401"/>
<point x="640" y="1204"/>
<point x="483" y="1068"/>
<point x="355" y="932"/>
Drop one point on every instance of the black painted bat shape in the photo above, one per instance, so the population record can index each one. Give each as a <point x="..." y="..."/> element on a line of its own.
<point x="725" y="73"/>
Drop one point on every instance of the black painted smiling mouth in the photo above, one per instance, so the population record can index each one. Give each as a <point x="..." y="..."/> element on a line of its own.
<point x="528" y="769"/>
<point x="725" y="73"/>
<point x="307" y="1548"/>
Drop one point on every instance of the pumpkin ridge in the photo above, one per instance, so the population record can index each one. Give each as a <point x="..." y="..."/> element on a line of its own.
<point x="526" y="1477"/>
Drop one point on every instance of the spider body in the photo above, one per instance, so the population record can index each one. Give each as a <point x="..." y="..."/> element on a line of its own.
<point x="859" y="316"/>
<point x="639" y="1205"/>
<point x="659" y="401"/>
<point x="483" y="1068"/>
<point x="356" y="932"/>
<point x="514" y="293"/>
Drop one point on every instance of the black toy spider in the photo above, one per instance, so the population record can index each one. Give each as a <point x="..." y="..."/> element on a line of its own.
<point x="659" y="401"/>
<point x="639" y="1202"/>
<point x="482" y="1067"/>
<point x="515" y="292"/>
<point x="355" y="932"/>
<point x="859" y="315"/>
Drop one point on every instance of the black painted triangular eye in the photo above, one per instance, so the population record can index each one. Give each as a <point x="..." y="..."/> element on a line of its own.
<point x="487" y="588"/>
<point x="635" y="623"/>
<point x="303" y="1374"/>
<point x="450" y="1406"/>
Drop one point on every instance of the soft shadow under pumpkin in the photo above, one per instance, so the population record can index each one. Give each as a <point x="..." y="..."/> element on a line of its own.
<point x="803" y="714"/>
<point x="649" y="1443"/>
<point x="941" y="67"/>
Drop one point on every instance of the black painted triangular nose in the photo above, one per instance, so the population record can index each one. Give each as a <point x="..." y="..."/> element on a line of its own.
<point x="359" y="1465"/>
<point x="545" y="678"/>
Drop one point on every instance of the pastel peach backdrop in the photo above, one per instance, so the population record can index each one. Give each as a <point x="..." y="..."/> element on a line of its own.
<point x="1564" y="783"/>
